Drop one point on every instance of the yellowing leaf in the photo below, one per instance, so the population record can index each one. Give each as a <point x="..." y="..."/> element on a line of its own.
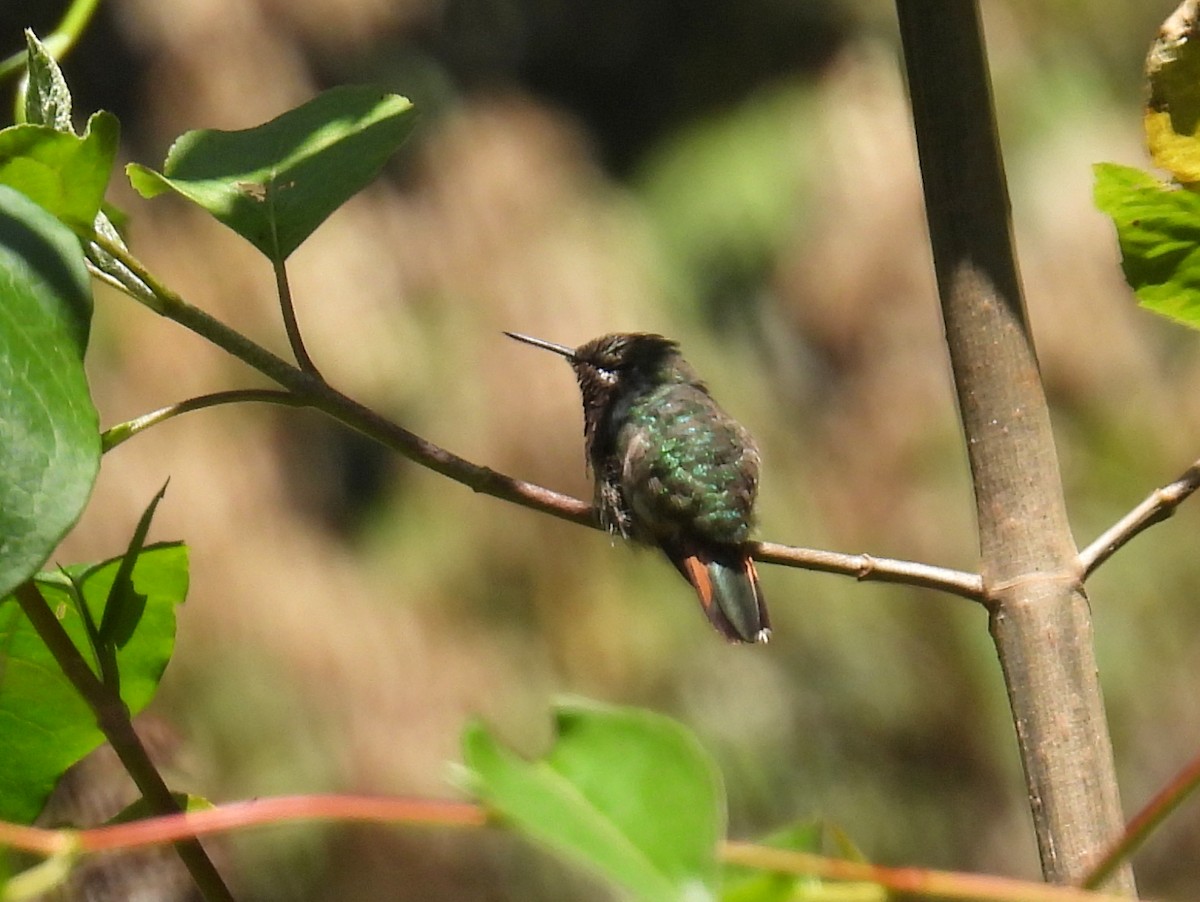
<point x="1173" y="111"/>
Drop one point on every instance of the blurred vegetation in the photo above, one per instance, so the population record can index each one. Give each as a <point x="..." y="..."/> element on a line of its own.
<point x="738" y="176"/>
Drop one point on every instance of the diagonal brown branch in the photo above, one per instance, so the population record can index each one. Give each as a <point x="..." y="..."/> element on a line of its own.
<point x="112" y="716"/>
<point x="306" y="389"/>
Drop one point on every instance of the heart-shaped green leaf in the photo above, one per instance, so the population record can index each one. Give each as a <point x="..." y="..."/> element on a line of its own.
<point x="274" y="184"/>
<point x="625" y="791"/>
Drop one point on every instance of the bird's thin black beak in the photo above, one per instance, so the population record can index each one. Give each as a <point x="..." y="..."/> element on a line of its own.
<point x="569" y="353"/>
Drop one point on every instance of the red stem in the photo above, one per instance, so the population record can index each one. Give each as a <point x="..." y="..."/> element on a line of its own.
<point x="171" y="828"/>
<point x="1139" y="829"/>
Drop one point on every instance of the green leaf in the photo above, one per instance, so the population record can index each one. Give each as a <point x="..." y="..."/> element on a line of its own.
<point x="45" y="726"/>
<point x="807" y="836"/>
<point x="812" y="837"/>
<point x="48" y="103"/>
<point x="276" y="183"/>
<point x="142" y="809"/>
<point x="47" y="99"/>
<point x="125" y="605"/>
<point x="627" y="792"/>
<point x="65" y="174"/>
<point x="49" y="431"/>
<point x="42" y="879"/>
<point x="1158" y="229"/>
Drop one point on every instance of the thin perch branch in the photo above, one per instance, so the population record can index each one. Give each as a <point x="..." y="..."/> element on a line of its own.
<point x="868" y="568"/>
<point x="1160" y="505"/>
<point x="305" y="389"/>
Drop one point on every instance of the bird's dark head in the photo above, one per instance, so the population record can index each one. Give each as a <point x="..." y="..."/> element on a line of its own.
<point x="621" y="360"/>
<point x="615" y="367"/>
<point x="631" y="357"/>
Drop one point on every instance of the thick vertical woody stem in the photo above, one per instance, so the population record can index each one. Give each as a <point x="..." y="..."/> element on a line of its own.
<point x="1040" y="619"/>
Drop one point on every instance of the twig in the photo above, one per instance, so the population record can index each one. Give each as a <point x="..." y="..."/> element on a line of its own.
<point x="290" y="324"/>
<point x="279" y="266"/>
<point x="112" y="717"/>
<point x="868" y="568"/>
<point x="115" y="435"/>
<point x="1144" y="822"/>
<point x="1160" y="505"/>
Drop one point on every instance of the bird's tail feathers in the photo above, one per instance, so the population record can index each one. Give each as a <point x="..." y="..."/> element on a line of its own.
<point x="726" y="581"/>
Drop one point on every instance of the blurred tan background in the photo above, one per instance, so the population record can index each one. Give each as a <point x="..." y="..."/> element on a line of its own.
<point x="740" y="177"/>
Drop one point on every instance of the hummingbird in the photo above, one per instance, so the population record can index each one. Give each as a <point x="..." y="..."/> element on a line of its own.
<point x="671" y="469"/>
